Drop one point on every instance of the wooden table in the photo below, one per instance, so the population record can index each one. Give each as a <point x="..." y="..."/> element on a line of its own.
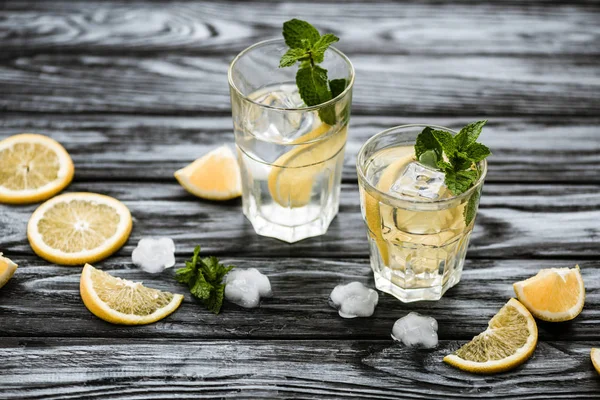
<point x="137" y="89"/>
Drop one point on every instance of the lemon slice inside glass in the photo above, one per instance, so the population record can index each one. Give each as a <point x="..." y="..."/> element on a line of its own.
<point x="509" y="340"/>
<point x="125" y="302"/>
<point x="77" y="228"/>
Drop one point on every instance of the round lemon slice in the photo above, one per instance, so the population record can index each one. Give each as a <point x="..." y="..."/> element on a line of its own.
<point x="32" y="168"/>
<point x="293" y="174"/>
<point x="7" y="270"/>
<point x="214" y="176"/>
<point x="77" y="228"/>
<point x="509" y="341"/>
<point x="124" y="302"/>
<point x="595" y="355"/>
<point x="554" y="294"/>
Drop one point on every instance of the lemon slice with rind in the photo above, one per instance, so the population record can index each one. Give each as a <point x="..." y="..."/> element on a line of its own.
<point x="124" y="302"/>
<point x="214" y="176"/>
<point x="293" y="174"/>
<point x="509" y="341"/>
<point x="554" y="294"/>
<point x="32" y="168"/>
<point x="77" y="228"/>
<point x="595" y="356"/>
<point x="7" y="270"/>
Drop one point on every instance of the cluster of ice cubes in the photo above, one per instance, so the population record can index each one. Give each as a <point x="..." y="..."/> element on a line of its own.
<point x="415" y="329"/>
<point x="245" y="287"/>
<point x="419" y="181"/>
<point x="354" y="300"/>
<point x="153" y="255"/>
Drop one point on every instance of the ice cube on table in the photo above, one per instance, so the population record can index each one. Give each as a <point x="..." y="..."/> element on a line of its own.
<point x="419" y="181"/>
<point x="415" y="329"/>
<point x="153" y="255"/>
<point x="354" y="300"/>
<point x="245" y="287"/>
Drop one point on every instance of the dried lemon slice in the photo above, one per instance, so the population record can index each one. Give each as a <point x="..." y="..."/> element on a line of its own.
<point x="120" y="301"/>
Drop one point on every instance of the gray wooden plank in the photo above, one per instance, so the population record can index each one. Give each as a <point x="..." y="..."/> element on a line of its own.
<point x="60" y="368"/>
<point x="514" y="221"/>
<point x="415" y="27"/>
<point x="493" y="85"/>
<point x="106" y="147"/>
<point x="43" y="300"/>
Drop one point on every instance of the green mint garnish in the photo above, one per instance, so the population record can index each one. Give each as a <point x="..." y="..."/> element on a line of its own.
<point x="308" y="47"/>
<point x="460" y="165"/>
<point x="204" y="278"/>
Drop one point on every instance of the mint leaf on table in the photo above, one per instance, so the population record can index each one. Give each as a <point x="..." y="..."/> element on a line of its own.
<point x="308" y="47"/>
<point x="204" y="278"/>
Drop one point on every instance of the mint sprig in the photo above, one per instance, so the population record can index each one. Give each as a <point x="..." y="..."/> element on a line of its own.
<point x="462" y="153"/>
<point x="204" y="278"/>
<point x="308" y="47"/>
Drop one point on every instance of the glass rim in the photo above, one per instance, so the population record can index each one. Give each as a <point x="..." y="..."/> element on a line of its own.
<point x="297" y="109"/>
<point x="392" y="199"/>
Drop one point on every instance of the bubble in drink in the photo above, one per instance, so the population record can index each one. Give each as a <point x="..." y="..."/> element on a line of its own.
<point x="153" y="255"/>
<point x="245" y="287"/>
<point x="419" y="181"/>
<point x="354" y="300"/>
<point x="415" y="329"/>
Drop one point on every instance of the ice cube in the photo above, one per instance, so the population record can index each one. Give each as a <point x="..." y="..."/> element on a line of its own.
<point x="415" y="329"/>
<point x="154" y="254"/>
<point x="245" y="287"/>
<point x="354" y="300"/>
<point x="420" y="181"/>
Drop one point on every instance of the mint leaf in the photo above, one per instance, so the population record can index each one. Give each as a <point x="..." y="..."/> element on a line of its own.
<point x="204" y="278"/>
<point x="460" y="161"/>
<point x="292" y="56"/>
<point x="469" y="134"/>
<point x="337" y="87"/>
<point x="426" y="141"/>
<point x="477" y="152"/>
<point x="319" y="48"/>
<point x="471" y="208"/>
<point x="295" y="31"/>
<point x="446" y="140"/>
<point x="429" y="158"/>
<point x="312" y="85"/>
<point x="460" y="181"/>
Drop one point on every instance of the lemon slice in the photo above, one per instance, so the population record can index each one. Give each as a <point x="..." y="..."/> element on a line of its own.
<point x="595" y="355"/>
<point x="214" y="176"/>
<point x="293" y="174"/>
<point x="124" y="302"/>
<point x="7" y="270"/>
<point x="76" y="228"/>
<point x="509" y="340"/>
<point x="554" y="294"/>
<point x="32" y="168"/>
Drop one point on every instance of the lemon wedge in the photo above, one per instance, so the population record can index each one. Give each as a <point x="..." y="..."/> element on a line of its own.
<point x="7" y="270"/>
<point x="509" y="341"/>
<point x="124" y="302"/>
<point x="595" y="356"/>
<point x="554" y="294"/>
<point x="32" y="168"/>
<point x="77" y="228"/>
<point x="214" y="176"/>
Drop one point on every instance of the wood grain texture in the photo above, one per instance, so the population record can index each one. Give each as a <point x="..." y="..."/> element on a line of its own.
<point x="150" y="148"/>
<point x="190" y="369"/>
<point x="513" y="221"/>
<point x="385" y="85"/>
<point x="408" y="27"/>
<point x="43" y="300"/>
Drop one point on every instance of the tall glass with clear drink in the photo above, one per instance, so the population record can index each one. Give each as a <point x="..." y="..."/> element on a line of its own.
<point x="290" y="158"/>
<point x="418" y="231"/>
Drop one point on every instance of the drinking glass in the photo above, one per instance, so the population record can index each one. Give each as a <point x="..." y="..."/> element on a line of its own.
<point x="417" y="244"/>
<point x="291" y="156"/>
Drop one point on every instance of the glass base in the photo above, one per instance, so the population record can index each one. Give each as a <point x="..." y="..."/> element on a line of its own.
<point x="290" y="233"/>
<point x="419" y="272"/>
